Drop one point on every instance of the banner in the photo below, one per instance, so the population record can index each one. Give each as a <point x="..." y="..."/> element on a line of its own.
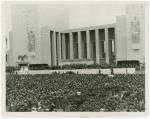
<point x="31" y="42"/>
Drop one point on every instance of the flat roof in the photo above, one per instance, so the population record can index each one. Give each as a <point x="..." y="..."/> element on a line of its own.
<point x="90" y="28"/>
<point x="79" y="29"/>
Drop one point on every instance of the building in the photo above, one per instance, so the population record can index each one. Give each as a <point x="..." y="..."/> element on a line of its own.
<point x="52" y="42"/>
<point x="27" y="21"/>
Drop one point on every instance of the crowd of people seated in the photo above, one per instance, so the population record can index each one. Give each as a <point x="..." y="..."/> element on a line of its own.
<point x="75" y="93"/>
<point x="39" y="68"/>
<point x="10" y="69"/>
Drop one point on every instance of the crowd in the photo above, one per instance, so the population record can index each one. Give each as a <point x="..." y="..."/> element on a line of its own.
<point x="75" y="93"/>
<point x="10" y="69"/>
<point x="120" y="64"/>
<point x="82" y="66"/>
<point x="39" y="68"/>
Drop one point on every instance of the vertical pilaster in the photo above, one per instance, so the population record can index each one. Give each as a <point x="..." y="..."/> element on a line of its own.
<point x="64" y="47"/>
<point x="115" y="46"/>
<point x="88" y="44"/>
<point x="107" y="45"/>
<point x="49" y="37"/>
<point x="79" y="45"/>
<point x="59" y="48"/>
<point x="54" y="49"/>
<point x="71" y="46"/>
<point x="97" y="47"/>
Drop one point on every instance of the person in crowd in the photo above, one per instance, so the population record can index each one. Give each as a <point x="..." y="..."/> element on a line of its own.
<point x="75" y="92"/>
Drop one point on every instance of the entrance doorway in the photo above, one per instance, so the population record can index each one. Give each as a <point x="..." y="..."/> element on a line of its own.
<point x="112" y="56"/>
<point x="111" y="43"/>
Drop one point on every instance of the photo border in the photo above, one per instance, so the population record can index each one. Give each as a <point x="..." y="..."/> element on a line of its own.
<point x="74" y="114"/>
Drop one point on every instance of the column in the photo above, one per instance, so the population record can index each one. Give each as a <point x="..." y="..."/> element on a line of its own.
<point x="49" y="36"/>
<point x="54" y="49"/>
<point x="64" y="47"/>
<point x="71" y="46"/>
<point x="88" y="44"/>
<point x="107" y="45"/>
<point x="59" y="47"/>
<point x="116" y="58"/>
<point x="97" y="47"/>
<point x="79" y="45"/>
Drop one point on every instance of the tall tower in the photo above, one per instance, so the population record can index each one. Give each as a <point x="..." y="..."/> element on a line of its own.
<point x="135" y="31"/>
<point x="28" y="37"/>
<point x="24" y="22"/>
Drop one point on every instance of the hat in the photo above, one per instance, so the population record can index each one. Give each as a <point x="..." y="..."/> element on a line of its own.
<point x="47" y="109"/>
<point x="78" y="93"/>
<point x="33" y="109"/>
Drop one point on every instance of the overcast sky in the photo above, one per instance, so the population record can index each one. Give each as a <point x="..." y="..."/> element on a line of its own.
<point x="94" y="14"/>
<point x="82" y="15"/>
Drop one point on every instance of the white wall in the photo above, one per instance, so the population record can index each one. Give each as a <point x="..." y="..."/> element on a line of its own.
<point x="79" y="71"/>
<point x="45" y="46"/>
<point x="56" y="17"/>
<point x="82" y="71"/>
<point x="119" y="70"/>
<point x="121" y="48"/>
<point x="124" y="42"/>
<point x="21" y="13"/>
<point x="135" y="9"/>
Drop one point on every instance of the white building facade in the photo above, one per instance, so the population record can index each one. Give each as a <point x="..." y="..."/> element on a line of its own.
<point x="51" y="41"/>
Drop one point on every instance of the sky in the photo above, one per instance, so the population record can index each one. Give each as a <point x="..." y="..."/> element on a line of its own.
<point x="94" y="14"/>
<point x="81" y="15"/>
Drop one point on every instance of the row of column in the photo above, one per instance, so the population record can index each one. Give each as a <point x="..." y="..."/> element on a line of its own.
<point x="88" y="45"/>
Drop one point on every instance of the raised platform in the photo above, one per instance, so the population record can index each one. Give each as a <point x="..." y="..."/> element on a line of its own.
<point x="82" y="71"/>
<point x="119" y="70"/>
<point x="23" y="65"/>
